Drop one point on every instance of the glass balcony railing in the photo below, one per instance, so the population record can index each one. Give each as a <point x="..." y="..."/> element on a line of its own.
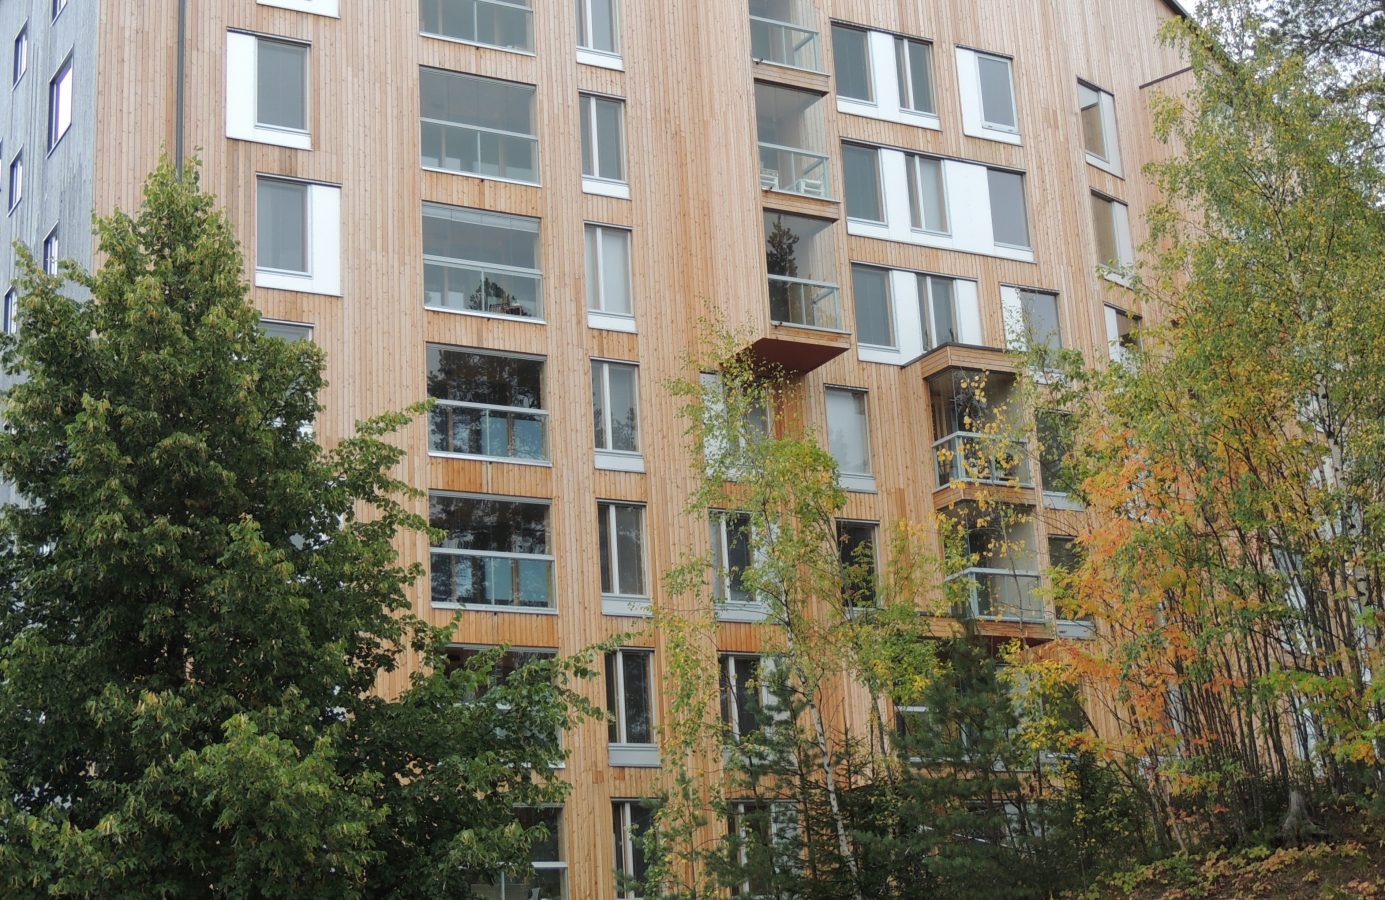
<point x="784" y="43"/>
<point x="498" y="432"/>
<point x="492" y="579"/>
<point x="1003" y="594"/>
<point x="497" y="23"/>
<point x="793" y="171"/>
<point x="807" y="304"/>
<point x="474" y="288"/>
<point x="965" y="456"/>
<point x="480" y="151"/>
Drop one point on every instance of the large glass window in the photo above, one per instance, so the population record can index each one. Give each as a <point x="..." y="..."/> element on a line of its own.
<point x="1111" y="225"/>
<point x="731" y="556"/>
<point x="488" y="404"/>
<point x="927" y="193"/>
<point x="281" y="226"/>
<point x="281" y="85"/>
<point x="914" y="62"/>
<point x="800" y="255"/>
<point x="620" y="527"/>
<point x="478" y="126"/>
<point x="630" y="820"/>
<point x="1097" y="109"/>
<point x="997" y="93"/>
<point x="1009" y="216"/>
<point x="483" y="262"/>
<point x="608" y="270"/>
<point x="549" y="880"/>
<point x="494" y="551"/>
<point x="851" y="59"/>
<point x="862" y="168"/>
<point x="496" y="23"/>
<point x="60" y="104"/>
<point x="792" y="139"/>
<point x="848" y="434"/>
<point x="874" y="306"/>
<point x="616" y="406"/>
<point x="784" y="32"/>
<point x="1034" y="320"/>
<point x="856" y="544"/>
<point x="603" y="137"/>
<point x="629" y="696"/>
<point x="744" y="695"/>
<point x="598" y="26"/>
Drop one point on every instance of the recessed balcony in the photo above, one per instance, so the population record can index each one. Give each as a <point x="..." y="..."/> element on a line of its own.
<point x="784" y="32"/>
<point x="791" y="129"/>
<point x="806" y="325"/>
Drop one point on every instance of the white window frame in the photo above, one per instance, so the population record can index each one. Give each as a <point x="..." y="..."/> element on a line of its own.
<point x="874" y="555"/>
<point x="607" y="457"/>
<point x="870" y="65"/>
<point x="614" y="603"/>
<point x="560" y="865"/>
<point x="852" y="481"/>
<point x="888" y="93"/>
<point x="58" y="7"/>
<point x="880" y="194"/>
<point x="328" y="8"/>
<point x="905" y="67"/>
<point x="242" y="92"/>
<point x="755" y="609"/>
<point x="974" y="122"/>
<point x="781" y="829"/>
<point x="322" y="227"/>
<point x="16" y="182"/>
<point x="1115" y="349"/>
<point x="622" y="814"/>
<point x="913" y="165"/>
<point x="1015" y="316"/>
<point x="597" y="281"/>
<point x="60" y="89"/>
<point x="764" y="668"/>
<point x="541" y="412"/>
<point x="915" y="324"/>
<point x="624" y="752"/>
<point x="1106" y="104"/>
<point x="50" y="252"/>
<point x="592" y="56"/>
<point x="11" y="312"/>
<point x="1024" y="199"/>
<point x="20" y="62"/>
<point x="1120" y="237"/>
<point x="891" y="320"/>
<point x="549" y="558"/>
<point x="597" y="184"/>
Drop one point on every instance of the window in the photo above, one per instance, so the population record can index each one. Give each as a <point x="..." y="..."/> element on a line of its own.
<point x="50" y="252"/>
<point x="629" y="700"/>
<point x="549" y="880"/>
<point x="1053" y="427"/>
<point x="488" y="404"/>
<point x="856" y="544"/>
<point x="784" y="32"/>
<point x="481" y="262"/>
<point x="790" y="129"/>
<point x="800" y="256"/>
<point x="60" y="104"/>
<point x="616" y="407"/>
<point x="764" y="837"/>
<point x="11" y="314"/>
<point x="1031" y="319"/>
<point x="731" y="556"/>
<point x="281" y="227"/>
<point x="927" y="194"/>
<point x="630" y="820"/>
<point x="1009" y="217"/>
<point x="861" y="166"/>
<point x="1097" y="109"/>
<point x="298" y="236"/>
<point x="1122" y="333"/>
<point x="286" y="331"/>
<point x="16" y="179"/>
<point x="851" y="59"/>
<point x="620" y="530"/>
<point x="58" y="6"/>
<point x="848" y="437"/>
<point x="914" y="61"/>
<point x="603" y="138"/>
<point x="746" y="693"/>
<point x="1111" y="225"/>
<point x="608" y="273"/>
<point x="942" y="319"/>
<point x="506" y="664"/>
<point x="508" y="24"/>
<point x="1064" y="557"/>
<point x="267" y="90"/>
<point x="495" y="551"/>
<point x="478" y="126"/>
<point x="997" y="93"/>
<point x="21" y="53"/>
<point x="874" y="307"/>
<point x="598" y="26"/>
<point x="728" y="449"/>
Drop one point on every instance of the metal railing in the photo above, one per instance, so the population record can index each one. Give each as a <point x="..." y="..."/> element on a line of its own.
<point x="496" y="23"/>
<point x="966" y="456"/>
<point x="492" y="579"/>
<point x="793" y="171"/>
<point x="474" y="287"/>
<point x="480" y="151"/>
<point x="808" y="304"/>
<point x="1003" y="594"/>
<point x="784" y="43"/>
<point x="501" y="432"/>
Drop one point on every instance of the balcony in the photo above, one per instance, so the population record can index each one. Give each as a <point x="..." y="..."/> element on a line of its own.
<point x="475" y="150"/>
<point x="1003" y="594"/>
<point x="792" y="133"/>
<point x="805" y="322"/>
<point x="473" y="288"/>
<point x="497" y="432"/>
<point x="806" y="304"/>
<point x="471" y="578"/>
<point x="793" y="171"/>
<point x="781" y="33"/>
<point x="968" y="457"/>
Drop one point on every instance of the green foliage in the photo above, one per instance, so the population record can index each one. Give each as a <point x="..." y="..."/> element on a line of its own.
<point x="201" y="600"/>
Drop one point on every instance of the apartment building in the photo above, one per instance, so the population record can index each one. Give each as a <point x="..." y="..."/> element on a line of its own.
<point x="522" y="208"/>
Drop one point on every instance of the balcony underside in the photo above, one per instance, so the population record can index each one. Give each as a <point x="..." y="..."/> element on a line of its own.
<point x="798" y="349"/>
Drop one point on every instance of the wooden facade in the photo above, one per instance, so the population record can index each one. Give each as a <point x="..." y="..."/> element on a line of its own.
<point x="696" y="217"/>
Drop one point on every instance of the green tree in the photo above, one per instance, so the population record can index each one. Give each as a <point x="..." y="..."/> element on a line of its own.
<point x="200" y="600"/>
